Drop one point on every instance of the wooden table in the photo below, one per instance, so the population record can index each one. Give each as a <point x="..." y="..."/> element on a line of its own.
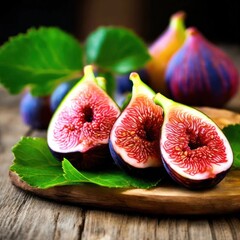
<point x="26" y="216"/>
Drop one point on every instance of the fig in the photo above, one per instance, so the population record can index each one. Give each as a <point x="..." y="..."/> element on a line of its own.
<point x="200" y="73"/>
<point x="134" y="138"/>
<point x="35" y="111"/>
<point x="162" y="49"/>
<point x="80" y="127"/>
<point x="195" y="152"/>
<point x="59" y="93"/>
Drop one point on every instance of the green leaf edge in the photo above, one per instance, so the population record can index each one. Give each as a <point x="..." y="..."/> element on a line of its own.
<point x="65" y="163"/>
<point x="236" y="155"/>
<point x="33" y="88"/>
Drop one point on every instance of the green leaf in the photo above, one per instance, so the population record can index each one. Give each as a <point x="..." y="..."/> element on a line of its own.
<point x="40" y="59"/>
<point x="232" y="132"/>
<point x="112" y="178"/>
<point x="35" y="164"/>
<point x="116" y="50"/>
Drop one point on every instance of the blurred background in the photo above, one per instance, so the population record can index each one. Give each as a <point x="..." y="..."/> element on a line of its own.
<point x="219" y="22"/>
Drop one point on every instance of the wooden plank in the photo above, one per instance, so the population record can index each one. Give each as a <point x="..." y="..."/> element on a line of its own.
<point x="165" y="199"/>
<point x="23" y="216"/>
<point x="106" y="225"/>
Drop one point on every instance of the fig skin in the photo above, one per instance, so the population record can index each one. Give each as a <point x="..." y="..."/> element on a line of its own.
<point x="195" y="152"/>
<point x="162" y="49"/>
<point x="149" y="173"/>
<point x="35" y="111"/>
<point x="80" y="127"/>
<point x="59" y="93"/>
<point x="96" y="158"/>
<point x="196" y="184"/>
<point x="200" y="73"/>
<point x="138" y="126"/>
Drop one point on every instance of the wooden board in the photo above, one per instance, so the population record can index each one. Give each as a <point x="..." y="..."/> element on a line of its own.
<point x="168" y="198"/>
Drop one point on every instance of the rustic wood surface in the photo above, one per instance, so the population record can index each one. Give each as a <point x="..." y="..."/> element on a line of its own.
<point x="167" y="199"/>
<point x="26" y="216"/>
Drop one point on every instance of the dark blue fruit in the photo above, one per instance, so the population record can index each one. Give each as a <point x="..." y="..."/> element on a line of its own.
<point x="59" y="93"/>
<point x="35" y="111"/>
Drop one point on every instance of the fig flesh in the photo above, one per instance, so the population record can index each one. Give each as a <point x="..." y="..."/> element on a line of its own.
<point x="80" y="127"/>
<point x="194" y="150"/>
<point x="200" y="73"/>
<point x="134" y="139"/>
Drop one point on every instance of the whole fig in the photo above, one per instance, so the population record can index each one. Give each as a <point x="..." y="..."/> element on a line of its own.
<point x="35" y="111"/>
<point x="194" y="150"/>
<point x="162" y="49"/>
<point x="59" y="93"/>
<point x="200" y="73"/>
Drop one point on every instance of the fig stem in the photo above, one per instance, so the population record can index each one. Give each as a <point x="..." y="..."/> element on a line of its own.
<point x="139" y="87"/>
<point x="90" y="77"/>
<point x="88" y="73"/>
<point x="177" y="21"/>
<point x="163" y="101"/>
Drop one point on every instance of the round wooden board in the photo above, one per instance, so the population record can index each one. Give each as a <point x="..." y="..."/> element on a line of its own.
<point x="168" y="198"/>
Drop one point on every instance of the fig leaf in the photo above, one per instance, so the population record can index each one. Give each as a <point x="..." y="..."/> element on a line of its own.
<point x="34" y="59"/>
<point x="43" y="58"/>
<point x="116" y="50"/>
<point x="112" y="178"/>
<point x="232" y="132"/>
<point x="35" y="165"/>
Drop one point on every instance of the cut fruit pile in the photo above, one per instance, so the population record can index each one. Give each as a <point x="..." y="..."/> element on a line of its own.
<point x="152" y="133"/>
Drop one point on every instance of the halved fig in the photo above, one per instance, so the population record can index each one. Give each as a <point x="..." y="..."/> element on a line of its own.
<point x="134" y="139"/>
<point x="80" y="127"/>
<point x="194" y="150"/>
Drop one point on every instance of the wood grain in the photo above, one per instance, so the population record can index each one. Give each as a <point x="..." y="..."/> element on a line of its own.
<point x="168" y="198"/>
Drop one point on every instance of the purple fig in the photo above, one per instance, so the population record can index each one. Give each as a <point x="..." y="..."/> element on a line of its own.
<point x="35" y="111"/>
<point x="201" y="74"/>
<point x="59" y="93"/>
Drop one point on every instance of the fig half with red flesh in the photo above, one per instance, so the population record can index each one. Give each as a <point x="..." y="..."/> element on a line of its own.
<point x="134" y="139"/>
<point x="194" y="150"/>
<point x="80" y="127"/>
